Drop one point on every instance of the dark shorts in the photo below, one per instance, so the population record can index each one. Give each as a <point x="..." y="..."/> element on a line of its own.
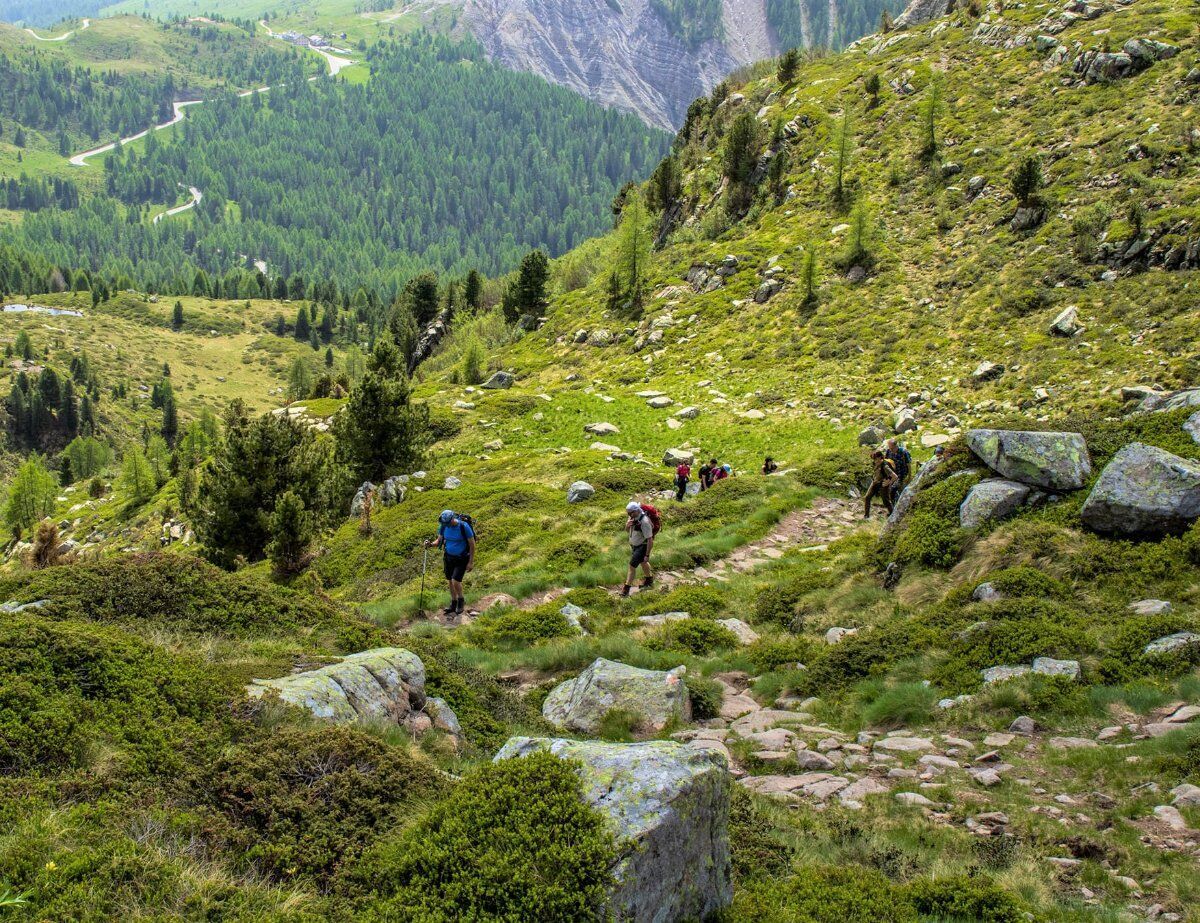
<point x="455" y="566"/>
<point x="638" y="555"/>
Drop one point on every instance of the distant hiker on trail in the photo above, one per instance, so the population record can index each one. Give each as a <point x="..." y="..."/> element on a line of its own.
<point x="457" y="537"/>
<point x="705" y="476"/>
<point x="883" y="479"/>
<point x="769" y="466"/>
<point x="718" y="472"/>
<point x="642" y="525"/>
<point x="902" y="461"/>
<point x="683" y="474"/>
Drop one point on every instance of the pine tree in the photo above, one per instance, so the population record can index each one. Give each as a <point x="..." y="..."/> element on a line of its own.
<point x="302" y="326"/>
<point x="1027" y="181"/>
<point x="31" y="496"/>
<point x="380" y="431"/>
<point x="170" y="419"/>
<point x="740" y="158"/>
<point x="300" y="380"/>
<point x="473" y="290"/>
<point x="843" y="144"/>
<point x="137" y="478"/>
<point x="789" y="65"/>
<point x="526" y="295"/>
<point x="422" y="295"/>
<point x="633" y="252"/>
<point x="809" y="275"/>
<point x="68" y="411"/>
<point x="292" y="533"/>
<point x="929" y="115"/>
<point x="177" y="315"/>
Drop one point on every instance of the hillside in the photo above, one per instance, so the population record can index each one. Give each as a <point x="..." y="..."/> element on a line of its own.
<point x="984" y="709"/>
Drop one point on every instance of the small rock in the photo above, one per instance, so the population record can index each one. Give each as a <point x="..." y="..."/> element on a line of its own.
<point x="1023" y="725"/>
<point x="580" y="491"/>
<point x="913" y="799"/>
<point x="1150" y="607"/>
<point x="499" y="381"/>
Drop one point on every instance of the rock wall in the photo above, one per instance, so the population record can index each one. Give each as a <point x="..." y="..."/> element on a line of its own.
<point x="620" y="55"/>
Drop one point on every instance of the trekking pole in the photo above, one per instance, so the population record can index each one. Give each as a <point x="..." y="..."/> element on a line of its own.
<point x="424" y="565"/>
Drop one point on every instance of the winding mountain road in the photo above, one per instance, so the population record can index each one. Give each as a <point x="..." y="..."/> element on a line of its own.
<point x="197" y="197"/>
<point x="84" y="24"/>
<point x="80" y="160"/>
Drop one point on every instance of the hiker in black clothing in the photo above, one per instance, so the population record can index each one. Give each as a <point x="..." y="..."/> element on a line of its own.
<point x="706" y="471"/>
<point x="901" y="462"/>
<point x="883" y="479"/>
<point x="769" y="466"/>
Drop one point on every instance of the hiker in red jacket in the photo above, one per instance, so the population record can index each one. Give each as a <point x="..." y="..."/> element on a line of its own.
<point x="683" y="474"/>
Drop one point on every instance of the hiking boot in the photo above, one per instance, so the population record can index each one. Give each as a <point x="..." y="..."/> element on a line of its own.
<point x="647" y="583"/>
<point x="451" y="609"/>
<point x="461" y="606"/>
<point x="625" y="591"/>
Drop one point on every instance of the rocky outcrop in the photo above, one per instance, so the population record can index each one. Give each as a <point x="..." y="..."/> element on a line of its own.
<point x="384" y="684"/>
<point x="919" y="12"/>
<point x="389" y="493"/>
<point x="1156" y="402"/>
<point x="500" y="381"/>
<point x="624" y="55"/>
<point x="668" y="805"/>
<point x="656" y="697"/>
<point x="1054" y="461"/>
<point x="1144" y="491"/>
<point x="1135" y="56"/>
<point x="991" y="501"/>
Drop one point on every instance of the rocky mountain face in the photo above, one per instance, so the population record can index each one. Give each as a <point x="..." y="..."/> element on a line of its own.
<point x="621" y="55"/>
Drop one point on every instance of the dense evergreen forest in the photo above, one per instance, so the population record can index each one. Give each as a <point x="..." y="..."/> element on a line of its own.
<point x="695" y="21"/>
<point x="441" y="160"/>
<point x="855" y="18"/>
<point x="47" y="12"/>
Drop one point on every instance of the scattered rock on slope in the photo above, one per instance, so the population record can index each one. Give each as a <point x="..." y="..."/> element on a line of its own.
<point x="669" y="807"/>
<point x="1054" y="461"/>
<point x="991" y="501"/>
<point x="499" y="381"/>
<point x="1144" y="491"/>
<point x="656" y="697"/>
<point x="919" y="12"/>
<point x="580" y="491"/>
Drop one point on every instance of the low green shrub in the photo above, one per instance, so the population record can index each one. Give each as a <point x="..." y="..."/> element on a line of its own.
<point x="701" y="602"/>
<point x="706" y="697"/>
<point x="508" y="629"/>
<point x="930" y="534"/>
<point x="820" y="894"/>
<point x="72" y="690"/>
<point x="1126" y="659"/>
<point x="779" y="603"/>
<point x="444" y="423"/>
<point x="512" y="836"/>
<point x="693" y="636"/>
<point x="302" y="801"/>
<point x="892" y="705"/>
<point x="835" y="470"/>
<point x="769" y="654"/>
<point x="963" y="899"/>
<point x="629" y="480"/>
<point x="1028" y="581"/>
<point x="1008" y="642"/>
<point x="758" y="843"/>
<point x="570" y="553"/>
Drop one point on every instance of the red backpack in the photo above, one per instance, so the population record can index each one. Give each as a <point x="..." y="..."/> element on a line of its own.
<point x="655" y="517"/>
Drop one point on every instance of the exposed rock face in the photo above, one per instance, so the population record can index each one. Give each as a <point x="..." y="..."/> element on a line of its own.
<point x="580" y="704"/>
<point x="991" y="501"/>
<point x="622" y="55"/>
<point x="1144" y="490"/>
<point x="1155" y="402"/>
<point x="1054" y="461"/>
<point x="919" y="12"/>
<point x="387" y="683"/>
<point x="670" y="804"/>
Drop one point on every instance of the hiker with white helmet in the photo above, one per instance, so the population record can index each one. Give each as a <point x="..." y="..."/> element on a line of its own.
<point x="642" y="525"/>
<point x="457" y="537"/>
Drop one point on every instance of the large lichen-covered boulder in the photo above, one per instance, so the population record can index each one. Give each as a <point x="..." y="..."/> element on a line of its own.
<point x="1054" y="461"/>
<point x="655" y="696"/>
<point x="669" y="808"/>
<point x="991" y="501"/>
<point x="1144" y="491"/>
<point x="1155" y="402"/>
<point x="387" y="683"/>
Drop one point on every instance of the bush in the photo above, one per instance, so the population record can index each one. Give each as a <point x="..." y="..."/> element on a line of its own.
<point x="706" y="697"/>
<point x="930" y="534"/>
<point x="820" y="894"/>
<point x="768" y="654"/>
<point x="443" y="423"/>
<point x="898" y="704"/>
<point x="834" y="470"/>
<point x="779" y="603"/>
<point x="69" y="689"/>
<point x="570" y="552"/>
<point x="629" y="480"/>
<point x="701" y="602"/>
<point x="1028" y="581"/>
<point x="693" y="636"/>
<point x="508" y="629"/>
<point x="305" y="800"/>
<point x="963" y="898"/>
<point x="1126" y="661"/>
<point x="1011" y="641"/>
<point x="177" y="592"/>
<point x="512" y="836"/>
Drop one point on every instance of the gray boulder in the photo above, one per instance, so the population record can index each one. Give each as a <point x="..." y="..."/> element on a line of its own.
<point x="668" y="805"/>
<point x="602" y="429"/>
<point x="872" y="436"/>
<point x="1067" y="323"/>
<point x="1048" y="666"/>
<point x="1156" y="402"/>
<point x="1191" y="426"/>
<point x="1150" y="607"/>
<point x="1054" y="461"/>
<point x="656" y="697"/>
<point x="1169" y="643"/>
<point x="386" y="683"/>
<point x="1144" y="491"/>
<point x="360" y="498"/>
<point x="991" y="501"/>
<point x="919" y="12"/>
<point x="580" y="491"/>
<point x="905" y="421"/>
<point x="987" y="371"/>
<point x="499" y="381"/>
<point x="768" y="290"/>
<point x="676" y="457"/>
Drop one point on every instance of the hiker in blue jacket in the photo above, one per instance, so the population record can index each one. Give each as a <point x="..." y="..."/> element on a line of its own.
<point x="457" y="538"/>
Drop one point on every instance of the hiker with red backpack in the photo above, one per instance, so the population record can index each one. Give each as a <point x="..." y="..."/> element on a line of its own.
<point x="642" y="525"/>
<point x="683" y="474"/>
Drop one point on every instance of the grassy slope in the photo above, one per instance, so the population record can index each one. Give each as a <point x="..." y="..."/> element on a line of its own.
<point x="865" y="343"/>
